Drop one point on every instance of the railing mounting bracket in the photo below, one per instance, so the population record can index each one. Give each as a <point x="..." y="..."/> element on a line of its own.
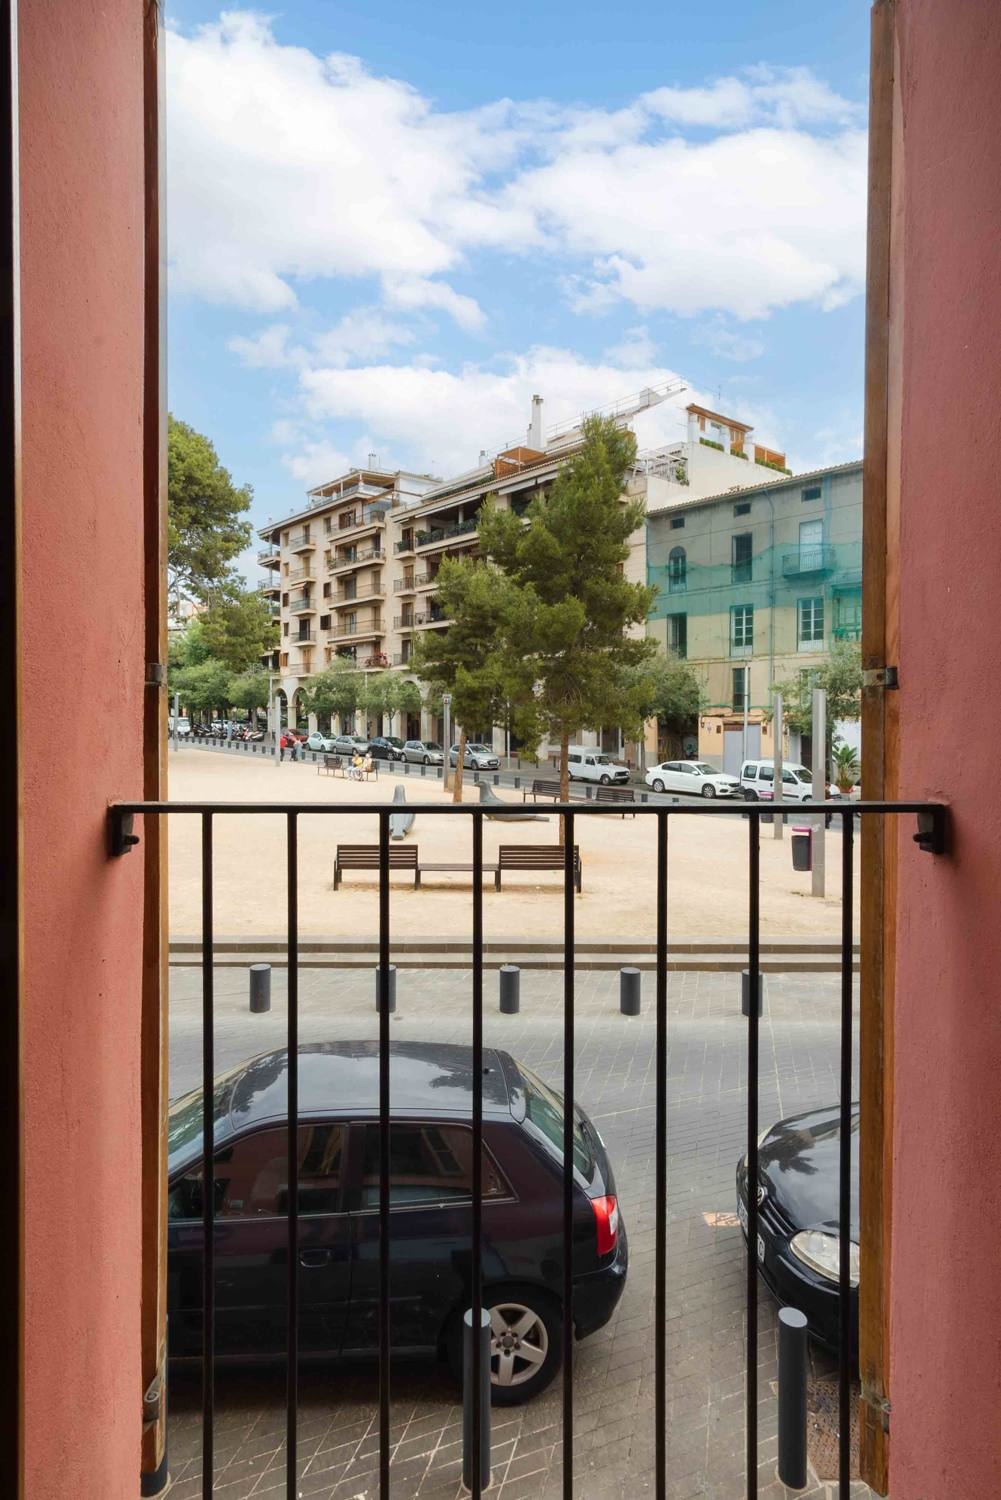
<point x="932" y="830"/>
<point x="121" y="839"/>
<point x="881" y="677"/>
<point x="877" y="1403"/>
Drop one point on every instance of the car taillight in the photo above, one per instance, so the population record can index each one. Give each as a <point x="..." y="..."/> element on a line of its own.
<point x="606" y="1223"/>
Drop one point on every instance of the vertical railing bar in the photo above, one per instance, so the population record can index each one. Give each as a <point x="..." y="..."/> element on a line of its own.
<point x="568" y="1140"/>
<point x="754" y="968"/>
<point x="208" y="1173"/>
<point x="292" y="1332"/>
<point x="384" y="1144"/>
<point x="660" y="1195"/>
<point x="845" y="1164"/>
<point x="477" y="1245"/>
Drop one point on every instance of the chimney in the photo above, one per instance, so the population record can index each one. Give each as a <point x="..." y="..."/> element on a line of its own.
<point x="483" y="457"/>
<point x="373" y="459"/>
<point x="535" y="438"/>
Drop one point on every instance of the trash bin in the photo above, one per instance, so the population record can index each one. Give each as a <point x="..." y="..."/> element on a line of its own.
<point x="802" y="848"/>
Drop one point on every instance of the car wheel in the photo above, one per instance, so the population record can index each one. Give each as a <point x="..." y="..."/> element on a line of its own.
<point x="709" y="791"/>
<point x="427" y="760"/>
<point x="526" y="1344"/>
<point x="658" y="785"/>
<point x="605" y="780"/>
<point x="750" y="796"/>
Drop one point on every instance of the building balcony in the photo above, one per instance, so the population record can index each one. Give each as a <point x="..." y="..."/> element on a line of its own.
<point x="304" y="574"/>
<point x="376" y="662"/>
<point x="403" y="546"/>
<point x="270" y="556"/>
<point x="269" y="586"/>
<point x="400" y="659"/>
<point x="426" y="580"/>
<point x="341" y="561"/>
<point x="301" y="541"/>
<point x="303" y="606"/>
<point x="808" y="562"/>
<point x="304" y="638"/>
<point x="361" y="595"/>
<point x="352" y="630"/>
<point x="403" y="585"/>
<point x="847" y="632"/>
<point x="425" y="619"/>
<point x="403" y="622"/>
<point x="446" y="533"/>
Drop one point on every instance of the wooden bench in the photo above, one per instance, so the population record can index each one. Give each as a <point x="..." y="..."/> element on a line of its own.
<point x="331" y="765"/>
<point x="615" y="794"/>
<point x="366" y="857"/>
<point x="542" y="787"/>
<point x="536" y="857"/>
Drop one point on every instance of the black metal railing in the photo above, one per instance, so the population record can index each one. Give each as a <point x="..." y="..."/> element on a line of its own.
<point x="930" y="837"/>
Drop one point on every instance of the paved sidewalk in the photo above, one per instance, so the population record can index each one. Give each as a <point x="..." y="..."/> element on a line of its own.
<point x="614" y="1370"/>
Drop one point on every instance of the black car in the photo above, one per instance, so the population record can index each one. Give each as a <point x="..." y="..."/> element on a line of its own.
<point x="798" y="1241"/>
<point x="386" y="747"/>
<point x="430" y="1192"/>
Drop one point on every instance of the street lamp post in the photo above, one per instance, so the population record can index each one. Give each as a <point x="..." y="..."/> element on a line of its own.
<point x="446" y="703"/>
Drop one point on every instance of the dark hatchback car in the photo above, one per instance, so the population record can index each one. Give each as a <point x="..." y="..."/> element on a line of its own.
<point x="386" y="747"/>
<point x="798" y="1244"/>
<point x="431" y="1215"/>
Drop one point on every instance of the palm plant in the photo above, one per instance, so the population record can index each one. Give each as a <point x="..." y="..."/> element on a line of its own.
<point x="846" y="768"/>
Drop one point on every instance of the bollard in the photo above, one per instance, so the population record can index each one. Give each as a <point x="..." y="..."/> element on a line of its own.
<point x="802" y="848"/>
<point x="629" y="991"/>
<point x="510" y="989"/>
<point x="745" y="993"/>
<point x="792" y="1398"/>
<point x="467" y="1399"/>
<point x="260" y="988"/>
<point x="391" y="988"/>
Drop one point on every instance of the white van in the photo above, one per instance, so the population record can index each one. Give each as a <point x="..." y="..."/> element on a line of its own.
<point x="589" y="764"/>
<point x="757" y="781"/>
<point x="183" y="727"/>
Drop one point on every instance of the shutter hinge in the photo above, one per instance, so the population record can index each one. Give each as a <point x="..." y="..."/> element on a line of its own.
<point x="877" y="1403"/>
<point x="880" y="677"/>
<point x="155" y="674"/>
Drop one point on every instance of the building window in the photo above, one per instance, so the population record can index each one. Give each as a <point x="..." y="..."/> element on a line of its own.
<point x="812" y="492"/>
<point x="326" y="591"/>
<point x="742" y="510"/>
<point x="810" y="632"/>
<point x="677" y="571"/>
<point x="740" y="558"/>
<point x="677" y="522"/>
<point x="285" y="628"/>
<point x="324" y="622"/>
<point x="741" y="629"/>
<point x="739" y="681"/>
<point x="677" y="634"/>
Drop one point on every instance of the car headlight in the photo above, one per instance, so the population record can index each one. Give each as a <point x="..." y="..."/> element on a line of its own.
<point x="822" y="1253"/>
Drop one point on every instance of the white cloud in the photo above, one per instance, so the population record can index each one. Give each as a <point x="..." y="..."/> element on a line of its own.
<point x="728" y="343"/>
<point x="286" y="167"/>
<point x="268" y="350"/>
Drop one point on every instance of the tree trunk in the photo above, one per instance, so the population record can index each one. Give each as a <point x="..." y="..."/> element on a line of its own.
<point x="564" y="777"/>
<point x="457" y="786"/>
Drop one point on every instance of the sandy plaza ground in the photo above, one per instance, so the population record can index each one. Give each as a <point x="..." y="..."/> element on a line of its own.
<point x="707" y="866"/>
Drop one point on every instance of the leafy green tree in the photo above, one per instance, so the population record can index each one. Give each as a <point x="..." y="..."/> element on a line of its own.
<point x="464" y="660"/>
<point x="389" y="694"/>
<point x="203" y="687"/>
<point x="840" y="675"/>
<point x="204" y="508"/>
<point x="187" y="648"/>
<point x="249" y="689"/>
<point x="666" y="689"/>
<point x="336" y="690"/>
<point x="565" y="633"/>
<point x="239" y="630"/>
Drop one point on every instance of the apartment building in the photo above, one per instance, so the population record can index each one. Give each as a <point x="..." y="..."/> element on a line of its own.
<point x="755" y="585"/>
<point x="328" y="573"/>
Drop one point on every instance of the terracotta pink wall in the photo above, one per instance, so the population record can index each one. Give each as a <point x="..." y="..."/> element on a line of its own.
<point x="946" y="1266"/>
<point x="81" y="256"/>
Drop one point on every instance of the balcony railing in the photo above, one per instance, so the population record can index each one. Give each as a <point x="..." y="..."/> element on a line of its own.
<point x="304" y="637"/>
<point x="442" y="534"/>
<point x="403" y="585"/>
<point x="269" y="586"/>
<point x="399" y="660"/>
<point x="808" y="560"/>
<point x="299" y="575"/>
<point x="431" y="617"/>
<point x="355" y="556"/>
<point x="404" y="545"/>
<point x="847" y="632"/>
<point x="403" y="622"/>
<point x="298" y="541"/>
<point x="268" y="556"/>
<point x="469" y="1230"/>
<point x="303" y="605"/>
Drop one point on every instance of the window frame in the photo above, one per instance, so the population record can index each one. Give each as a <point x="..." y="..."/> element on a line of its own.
<point x="677" y="577"/>
<point x="744" y="647"/>
<point x="811" y="643"/>
<point x="261" y="1128"/>
<point x="356" y="1156"/>
<point x="741" y="569"/>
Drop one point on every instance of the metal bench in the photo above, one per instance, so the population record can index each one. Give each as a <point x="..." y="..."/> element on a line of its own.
<point x="542" y="787"/>
<point x="331" y="765"/>
<point x="366" y="857"/>
<point x="615" y="794"/>
<point x="536" y="857"/>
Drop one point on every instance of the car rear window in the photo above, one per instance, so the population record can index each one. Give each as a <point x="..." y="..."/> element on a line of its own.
<point x="544" y="1109"/>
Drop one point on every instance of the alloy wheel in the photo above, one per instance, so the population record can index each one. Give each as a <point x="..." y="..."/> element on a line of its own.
<point x="519" y="1344"/>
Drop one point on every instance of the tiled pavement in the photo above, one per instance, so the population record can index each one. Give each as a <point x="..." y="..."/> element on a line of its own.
<point x="613" y="1371"/>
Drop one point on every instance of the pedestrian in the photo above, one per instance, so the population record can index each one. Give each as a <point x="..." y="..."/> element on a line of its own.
<point x="356" y="766"/>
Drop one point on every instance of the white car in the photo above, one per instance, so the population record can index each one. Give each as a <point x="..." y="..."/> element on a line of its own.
<point x="479" y="757"/>
<point x="319" y="741"/>
<point x="696" y="777"/>
<point x="585" y="763"/>
<point x="757" y="781"/>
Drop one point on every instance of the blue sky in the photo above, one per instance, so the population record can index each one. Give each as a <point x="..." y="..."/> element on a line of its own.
<point x="390" y="224"/>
